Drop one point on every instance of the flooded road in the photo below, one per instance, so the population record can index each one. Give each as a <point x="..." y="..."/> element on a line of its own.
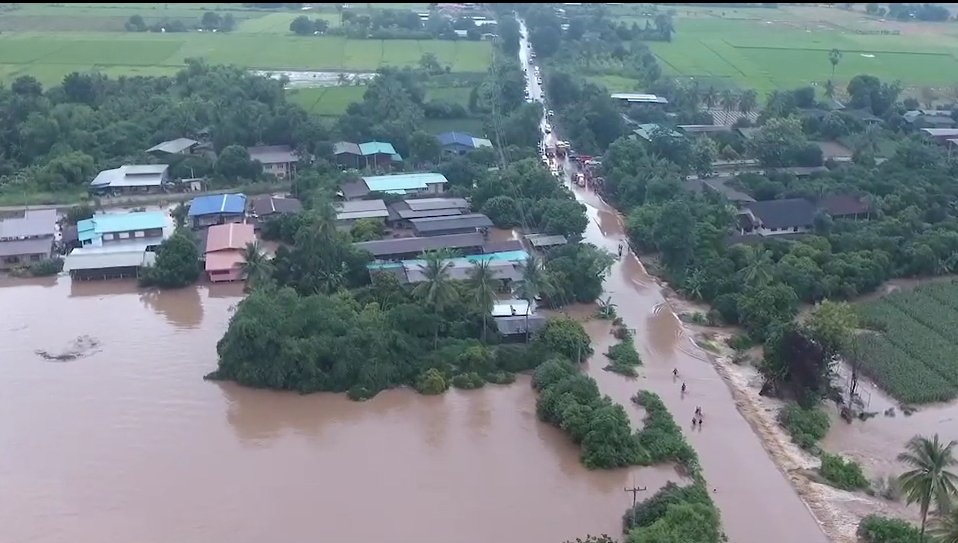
<point x="755" y="497"/>
<point x="127" y="443"/>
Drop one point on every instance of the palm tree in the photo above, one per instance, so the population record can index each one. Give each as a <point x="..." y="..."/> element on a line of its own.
<point x="437" y="290"/>
<point x="930" y="481"/>
<point x="255" y="265"/>
<point x="534" y="282"/>
<point x="710" y="96"/>
<point x="945" y="528"/>
<point x="829" y="89"/>
<point x="759" y="270"/>
<point x="834" y="56"/>
<point x="694" y="283"/>
<point x="728" y="100"/>
<point x="747" y="101"/>
<point x="482" y="280"/>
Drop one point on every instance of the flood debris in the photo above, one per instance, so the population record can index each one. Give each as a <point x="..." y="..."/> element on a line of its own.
<point x="78" y="348"/>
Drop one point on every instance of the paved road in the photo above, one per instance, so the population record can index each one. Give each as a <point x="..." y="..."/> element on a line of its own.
<point x="756" y="499"/>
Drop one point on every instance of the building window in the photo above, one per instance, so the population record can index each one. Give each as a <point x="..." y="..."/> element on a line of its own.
<point x="108" y="237"/>
<point x="139" y="234"/>
<point x="124" y="235"/>
<point x="35" y="258"/>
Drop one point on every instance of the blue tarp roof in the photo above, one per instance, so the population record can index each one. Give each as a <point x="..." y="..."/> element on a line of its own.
<point x="217" y="203"/>
<point x="88" y="229"/>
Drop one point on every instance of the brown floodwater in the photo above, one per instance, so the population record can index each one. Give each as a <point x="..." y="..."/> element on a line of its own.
<point x="126" y="442"/>
<point x="754" y="496"/>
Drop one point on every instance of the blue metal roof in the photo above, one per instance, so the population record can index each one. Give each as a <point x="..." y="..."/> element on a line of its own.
<point x="451" y="138"/>
<point x="401" y="183"/>
<point x="376" y="148"/>
<point x="217" y="203"/>
<point x="95" y="227"/>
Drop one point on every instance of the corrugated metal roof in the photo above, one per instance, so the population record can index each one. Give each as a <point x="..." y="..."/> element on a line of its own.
<point x="376" y="148"/>
<point x="173" y="146"/>
<point x="346" y="148"/>
<point x="33" y="223"/>
<point x="272" y="154"/>
<point x="452" y="138"/>
<point x="267" y="205"/>
<point x="438" y="224"/>
<point x="223" y="260"/>
<point x="403" y="182"/>
<point x="424" y="204"/>
<point x="353" y="215"/>
<point x="508" y="245"/>
<point x="506" y="308"/>
<point x="460" y="269"/>
<point x="399" y="246"/>
<point x="543" y="240"/>
<point x="112" y="256"/>
<point x="360" y="205"/>
<point x="513" y="326"/>
<point x="98" y="225"/>
<point x="217" y="203"/>
<point x="32" y="246"/>
<point x="228" y="236"/>
<point x="131" y="175"/>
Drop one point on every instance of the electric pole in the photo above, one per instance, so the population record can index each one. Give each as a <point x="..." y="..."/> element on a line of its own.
<point x="635" y="492"/>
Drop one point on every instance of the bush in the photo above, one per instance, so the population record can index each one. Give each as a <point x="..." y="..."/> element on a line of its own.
<point x="431" y="382"/>
<point x="565" y="337"/>
<point x="660" y="439"/>
<point x="359" y="393"/>
<point x="806" y="426"/>
<point x="842" y="473"/>
<point x="516" y="358"/>
<point x="468" y="381"/>
<point x="501" y="378"/>
<point x="653" y="508"/>
<point x="43" y="268"/>
<point x="177" y="263"/>
<point x="740" y="342"/>
<point x="624" y="357"/>
<point x="876" y="529"/>
<point x="674" y="513"/>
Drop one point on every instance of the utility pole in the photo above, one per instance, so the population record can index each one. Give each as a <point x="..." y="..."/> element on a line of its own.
<point x="635" y="491"/>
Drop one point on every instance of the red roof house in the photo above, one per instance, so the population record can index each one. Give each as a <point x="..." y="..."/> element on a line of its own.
<point x="224" y="250"/>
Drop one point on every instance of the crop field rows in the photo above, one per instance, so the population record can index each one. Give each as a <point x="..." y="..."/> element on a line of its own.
<point x="913" y="351"/>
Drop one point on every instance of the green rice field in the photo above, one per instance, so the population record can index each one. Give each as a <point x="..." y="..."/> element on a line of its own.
<point x="912" y="350"/>
<point x="788" y="47"/>
<point x="49" y="41"/>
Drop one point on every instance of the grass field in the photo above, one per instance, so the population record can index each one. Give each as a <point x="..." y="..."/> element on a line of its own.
<point x="914" y="352"/>
<point x="785" y="48"/>
<point x="49" y="41"/>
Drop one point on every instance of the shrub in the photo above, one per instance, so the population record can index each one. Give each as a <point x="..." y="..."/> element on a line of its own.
<point x="501" y="378"/>
<point x="739" y="342"/>
<point x="431" y="382"/>
<point x="359" y="393"/>
<point x="468" y="381"/>
<point x="876" y="529"/>
<point x="842" y="473"/>
<point x="624" y="357"/>
<point x="661" y="439"/>
<point x="43" y="268"/>
<point x="653" y="508"/>
<point x="566" y="337"/>
<point x="806" y="426"/>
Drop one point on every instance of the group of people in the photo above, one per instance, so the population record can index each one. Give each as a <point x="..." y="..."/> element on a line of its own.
<point x="697" y="418"/>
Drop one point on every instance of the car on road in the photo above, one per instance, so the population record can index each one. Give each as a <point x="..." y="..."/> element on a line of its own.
<point x="550" y="113"/>
<point x="547" y="128"/>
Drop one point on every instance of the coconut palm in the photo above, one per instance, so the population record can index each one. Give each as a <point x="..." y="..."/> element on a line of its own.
<point x="728" y="101"/>
<point x="535" y="281"/>
<point x="710" y="96"/>
<point x="256" y="267"/>
<point x="747" y="101"/>
<point x="930" y="482"/>
<point x="834" y="56"/>
<point x="437" y="290"/>
<point x="482" y="281"/>
<point x="945" y="528"/>
<point x="759" y="270"/>
<point x="829" y="89"/>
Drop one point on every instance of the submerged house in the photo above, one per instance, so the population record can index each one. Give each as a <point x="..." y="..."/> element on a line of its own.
<point x="111" y="261"/>
<point x="225" y="244"/>
<point x="27" y="237"/>
<point x="217" y="209"/>
<point x="101" y="230"/>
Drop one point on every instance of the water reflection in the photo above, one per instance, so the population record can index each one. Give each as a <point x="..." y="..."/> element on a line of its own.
<point x="182" y="307"/>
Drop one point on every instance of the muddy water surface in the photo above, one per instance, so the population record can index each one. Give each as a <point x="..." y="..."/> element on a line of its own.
<point x="126" y="442"/>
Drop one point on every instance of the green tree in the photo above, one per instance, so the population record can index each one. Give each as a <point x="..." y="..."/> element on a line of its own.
<point x="301" y="25"/>
<point x="437" y="291"/>
<point x="704" y="153"/>
<point x="682" y="522"/>
<point x="177" y="262"/>
<point x="831" y="324"/>
<point x="367" y="229"/>
<point x="535" y="281"/>
<point x="761" y="307"/>
<point x="234" y="162"/>
<point x="728" y="101"/>
<point x="502" y="210"/>
<point x="747" y="101"/>
<point x="482" y="281"/>
<point x="945" y="527"/>
<point x="256" y="266"/>
<point x="180" y="214"/>
<point x="778" y="142"/>
<point x="710" y="96"/>
<point x="424" y="148"/>
<point x="432" y="382"/>
<point x="566" y="337"/>
<point x="834" y="57"/>
<point x="930" y="482"/>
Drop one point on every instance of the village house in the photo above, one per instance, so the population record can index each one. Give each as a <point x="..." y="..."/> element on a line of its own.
<point x="942" y="136"/>
<point x="372" y="154"/>
<point x="777" y="217"/>
<point x="929" y="118"/>
<point x="101" y="230"/>
<point x="217" y="209"/>
<point x="26" y="237"/>
<point x="348" y="213"/>
<point x="131" y="179"/>
<point x="455" y="224"/>
<point x="649" y="130"/>
<point x="263" y="208"/>
<point x="405" y="184"/>
<point x="458" y="143"/>
<point x="225" y="244"/>
<point x="401" y="212"/>
<point x="404" y="248"/>
<point x="844" y="206"/>
<point x="277" y="160"/>
<point x="638" y="98"/>
<point x="179" y="146"/>
<point x="110" y="261"/>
